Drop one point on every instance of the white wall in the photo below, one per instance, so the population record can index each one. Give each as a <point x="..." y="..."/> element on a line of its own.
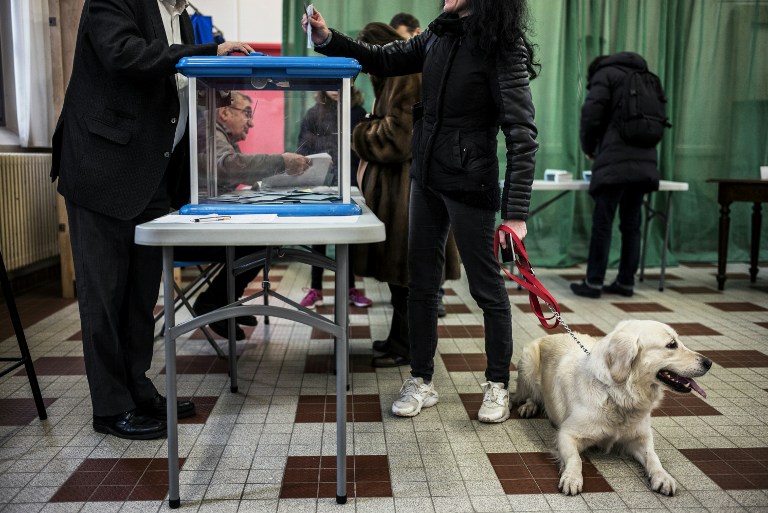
<point x="258" y="21"/>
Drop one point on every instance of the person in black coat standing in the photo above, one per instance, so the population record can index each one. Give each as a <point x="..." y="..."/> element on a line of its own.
<point x="120" y="156"/>
<point x="621" y="175"/>
<point x="476" y="65"/>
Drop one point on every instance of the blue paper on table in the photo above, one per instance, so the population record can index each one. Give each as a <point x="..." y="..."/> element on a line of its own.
<point x="282" y="210"/>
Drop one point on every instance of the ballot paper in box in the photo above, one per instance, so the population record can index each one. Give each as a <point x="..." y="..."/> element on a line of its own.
<point x="318" y="174"/>
<point x="249" y="113"/>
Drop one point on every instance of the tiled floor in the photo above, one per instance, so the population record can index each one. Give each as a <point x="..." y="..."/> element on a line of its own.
<point x="270" y="447"/>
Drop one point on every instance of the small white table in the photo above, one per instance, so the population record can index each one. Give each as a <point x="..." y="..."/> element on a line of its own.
<point x="650" y="213"/>
<point x="285" y="231"/>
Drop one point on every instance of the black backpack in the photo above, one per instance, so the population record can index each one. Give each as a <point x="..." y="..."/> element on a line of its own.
<point x="642" y="109"/>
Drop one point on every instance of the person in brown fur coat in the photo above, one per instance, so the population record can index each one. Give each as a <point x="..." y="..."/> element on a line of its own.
<point x="383" y="142"/>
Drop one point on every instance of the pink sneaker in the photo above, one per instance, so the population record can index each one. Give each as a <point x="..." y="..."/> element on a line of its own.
<point x="357" y="298"/>
<point x="313" y="298"/>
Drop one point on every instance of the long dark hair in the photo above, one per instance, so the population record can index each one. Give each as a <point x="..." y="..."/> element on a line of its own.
<point x="502" y="22"/>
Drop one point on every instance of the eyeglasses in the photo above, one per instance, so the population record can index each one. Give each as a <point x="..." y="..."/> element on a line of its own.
<point x="247" y="112"/>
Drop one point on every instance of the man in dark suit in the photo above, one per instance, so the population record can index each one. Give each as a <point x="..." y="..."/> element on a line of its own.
<point x="120" y="153"/>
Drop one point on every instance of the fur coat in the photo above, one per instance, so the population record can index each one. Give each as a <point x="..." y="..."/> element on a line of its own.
<point x="384" y="141"/>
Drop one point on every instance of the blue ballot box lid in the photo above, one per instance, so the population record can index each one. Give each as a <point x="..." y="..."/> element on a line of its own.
<point x="269" y="66"/>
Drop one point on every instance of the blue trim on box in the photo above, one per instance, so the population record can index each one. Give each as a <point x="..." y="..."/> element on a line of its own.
<point x="269" y="66"/>
<point x="282" y="210"/>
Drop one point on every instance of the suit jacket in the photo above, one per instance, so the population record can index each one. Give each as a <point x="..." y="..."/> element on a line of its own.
<point x="114" y="137"/>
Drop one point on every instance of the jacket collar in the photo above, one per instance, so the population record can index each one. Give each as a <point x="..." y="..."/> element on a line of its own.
<point x="447" y="24"/>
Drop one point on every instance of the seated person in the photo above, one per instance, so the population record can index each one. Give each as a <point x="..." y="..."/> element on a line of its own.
<point x="234" y="168"/>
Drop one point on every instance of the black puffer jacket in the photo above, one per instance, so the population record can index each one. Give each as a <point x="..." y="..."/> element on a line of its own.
<point x="616" y="162"/>
<point x="466" y="97"/>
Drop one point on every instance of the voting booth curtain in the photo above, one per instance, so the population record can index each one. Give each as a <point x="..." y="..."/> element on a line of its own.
<point x="710" y="57"/>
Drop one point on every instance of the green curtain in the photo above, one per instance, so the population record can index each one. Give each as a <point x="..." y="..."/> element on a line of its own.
<point x="711" y="58"/>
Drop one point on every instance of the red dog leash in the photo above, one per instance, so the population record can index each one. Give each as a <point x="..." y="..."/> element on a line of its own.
<point x="536" y="291"/>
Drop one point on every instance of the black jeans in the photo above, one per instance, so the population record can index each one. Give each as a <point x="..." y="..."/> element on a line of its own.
<point x="317" y="272"/>
<point x="398" y="330"/>
<point x="629" y="201"/>
<point x="431" y="214"/>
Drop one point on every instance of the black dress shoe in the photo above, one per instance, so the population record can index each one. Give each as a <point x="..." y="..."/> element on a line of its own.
<point x="221" y="328"/>
<point x="130" y="425"/>
<point x="618" y="288"/>
<point x="156" y="408"/>
<point x="584" y="290"/>
<point x="381" y="346"/>
<point x="389" y="360"/>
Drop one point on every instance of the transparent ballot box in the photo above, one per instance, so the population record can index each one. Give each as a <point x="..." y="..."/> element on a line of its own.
<point x="270" y="134"/>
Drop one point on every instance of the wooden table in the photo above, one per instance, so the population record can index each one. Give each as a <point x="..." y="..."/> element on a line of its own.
<point x="730" y="190"/>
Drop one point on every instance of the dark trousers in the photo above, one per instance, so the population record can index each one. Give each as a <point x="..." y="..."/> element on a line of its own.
<point x="117" y="287"/>
<point x="398" y="329"/>
<point x="317" y="272"/>
<point x="431" y="214"/>
<point x="629" y="201"/>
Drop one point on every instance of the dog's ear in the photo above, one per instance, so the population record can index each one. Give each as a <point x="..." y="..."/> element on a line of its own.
<point x="621" y="354"/>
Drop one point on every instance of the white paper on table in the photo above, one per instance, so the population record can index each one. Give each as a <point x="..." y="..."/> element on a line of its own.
<point x="318" y="220"/>
<point x="233" y="219"/>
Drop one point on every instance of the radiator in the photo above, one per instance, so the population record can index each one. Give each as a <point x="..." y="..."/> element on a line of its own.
<point x="28" y="222"/>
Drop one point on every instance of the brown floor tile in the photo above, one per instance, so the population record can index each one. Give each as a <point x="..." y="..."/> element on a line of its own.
<point x="33" y="306"/>
<point x="732" y="469"/>
<point x="326" y="363"/>
<point x="57" y="366"/>
<point x="587" y="329"/>
<point x="683" y="405"/>
<point x="641" y="307"/>
<point x="694" y="290"/>
<point x="738" y="307"/>
<point x="699" y="264"/>
<point x="203" y="406"/>
<point x="467" y="362"/>
<point x="460" y="331"/>
<point x="19" y="412"/>
<point x="457" y="309"/>
<point x="657" y="276"/>
<point x="322" y="408"/>
<point x="449" y="291"/>
<point x="692" y="329"/>
<point x="737" y="358"/>
<point x="538" y="472"/>
<point x="762" y="324"/>
<point x="312" y="477"/>
<point x="200" y="364"/>
<point x="354" y="332"/>
<point x="116" y="480"/>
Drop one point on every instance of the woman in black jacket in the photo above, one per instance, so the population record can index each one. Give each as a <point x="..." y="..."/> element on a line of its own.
<point x="476" y="64"/>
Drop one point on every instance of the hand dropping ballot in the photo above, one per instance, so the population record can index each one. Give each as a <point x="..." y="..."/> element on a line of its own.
<point x="314" y="176"/>
<point x="309" y="10"/>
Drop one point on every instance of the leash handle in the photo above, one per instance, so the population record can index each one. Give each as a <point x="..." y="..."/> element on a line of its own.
<point x="536" y="291"/>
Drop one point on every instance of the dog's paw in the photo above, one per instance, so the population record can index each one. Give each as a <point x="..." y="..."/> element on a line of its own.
<point x="663" y="483"/>
<point x="528" y="410"/>
<point x="571" y="483"/>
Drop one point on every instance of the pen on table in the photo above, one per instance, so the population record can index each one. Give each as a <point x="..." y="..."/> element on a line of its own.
<point x="210" y="219"/>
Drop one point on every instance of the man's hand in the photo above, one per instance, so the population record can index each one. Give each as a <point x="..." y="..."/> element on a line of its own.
<point x="320" y="30"/>
<point x="517" y="226"/>
<point x="233" y="46"/>
<point x="295" y="164"/>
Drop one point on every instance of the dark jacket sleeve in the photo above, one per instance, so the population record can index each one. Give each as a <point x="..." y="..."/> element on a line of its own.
<point x="393" y="59"/>
<point x="516" y="114"/>
<point x="596" y="112"/>
<point x="123" y="50"/>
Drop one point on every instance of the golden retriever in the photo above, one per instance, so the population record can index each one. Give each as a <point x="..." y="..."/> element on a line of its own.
<point x="605" y="398"/>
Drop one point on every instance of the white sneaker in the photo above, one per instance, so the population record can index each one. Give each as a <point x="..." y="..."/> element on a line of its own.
<point x="414" y="395"/>
<point x="495" y="407"/>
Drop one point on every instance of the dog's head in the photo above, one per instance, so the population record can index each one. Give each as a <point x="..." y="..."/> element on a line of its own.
<point x="651" y="353"/>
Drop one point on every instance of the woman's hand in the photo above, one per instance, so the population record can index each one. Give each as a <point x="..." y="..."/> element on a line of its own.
<point x="320" y="30"/>
<point x="517" y="226"/>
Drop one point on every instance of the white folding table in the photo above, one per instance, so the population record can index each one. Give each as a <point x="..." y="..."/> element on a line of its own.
<point x="285" y="231"/>
<point x="664" y="186"/>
